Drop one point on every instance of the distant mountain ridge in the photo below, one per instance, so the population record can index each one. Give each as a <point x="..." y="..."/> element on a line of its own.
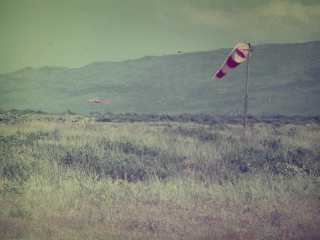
<point x="284" y="79"/>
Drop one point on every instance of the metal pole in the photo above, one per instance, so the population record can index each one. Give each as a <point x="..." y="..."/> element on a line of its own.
<point x="246" y="94"/>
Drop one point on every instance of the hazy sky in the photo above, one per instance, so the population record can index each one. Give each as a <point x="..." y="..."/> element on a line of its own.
<point x="73" y="33"/>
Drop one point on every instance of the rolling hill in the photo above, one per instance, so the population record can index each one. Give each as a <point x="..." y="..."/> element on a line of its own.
<point x="284" y="79"/>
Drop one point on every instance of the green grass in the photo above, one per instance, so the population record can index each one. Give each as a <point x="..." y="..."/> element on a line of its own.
<point x="69" y="177"/>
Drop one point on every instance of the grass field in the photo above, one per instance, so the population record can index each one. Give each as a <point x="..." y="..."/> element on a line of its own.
<point x="71" y="177"/>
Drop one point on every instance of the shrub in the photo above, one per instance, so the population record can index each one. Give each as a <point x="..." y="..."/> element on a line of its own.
<point x="121" y="160"/>
<point x="14" y="165"/>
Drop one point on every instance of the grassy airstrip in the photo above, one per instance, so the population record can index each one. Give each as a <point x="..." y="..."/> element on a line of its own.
<point x="71" y="177"/>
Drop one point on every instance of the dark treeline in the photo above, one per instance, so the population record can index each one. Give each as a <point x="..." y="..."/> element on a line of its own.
<point x="202" y="118"/>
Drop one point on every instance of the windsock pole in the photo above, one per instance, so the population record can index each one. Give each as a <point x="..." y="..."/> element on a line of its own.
<point x="246" y="94"/>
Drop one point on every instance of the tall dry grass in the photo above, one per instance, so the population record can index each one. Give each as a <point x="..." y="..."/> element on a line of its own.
<point x="69" y="177"/>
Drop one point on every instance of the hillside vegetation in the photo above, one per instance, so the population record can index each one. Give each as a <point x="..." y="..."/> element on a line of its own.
<point x="284" y="79"/>
<point x="71" y="177"/>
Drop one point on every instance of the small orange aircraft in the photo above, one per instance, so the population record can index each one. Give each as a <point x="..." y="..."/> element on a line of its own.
<point x="100" y="101"/>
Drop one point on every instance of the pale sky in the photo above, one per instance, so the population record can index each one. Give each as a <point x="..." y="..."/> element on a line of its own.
<point x="73" y="33"/>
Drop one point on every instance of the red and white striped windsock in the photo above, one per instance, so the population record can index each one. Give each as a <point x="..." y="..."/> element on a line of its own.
<point x="239" y="54"/>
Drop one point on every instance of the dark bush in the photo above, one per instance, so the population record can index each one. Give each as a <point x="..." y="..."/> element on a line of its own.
<point x="124" y="160"/>
<point x="15" y="164"/>
<point x="200" y="133"/>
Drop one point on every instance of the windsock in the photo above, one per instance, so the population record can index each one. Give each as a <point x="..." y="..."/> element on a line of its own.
<point x="239" y="54"/>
